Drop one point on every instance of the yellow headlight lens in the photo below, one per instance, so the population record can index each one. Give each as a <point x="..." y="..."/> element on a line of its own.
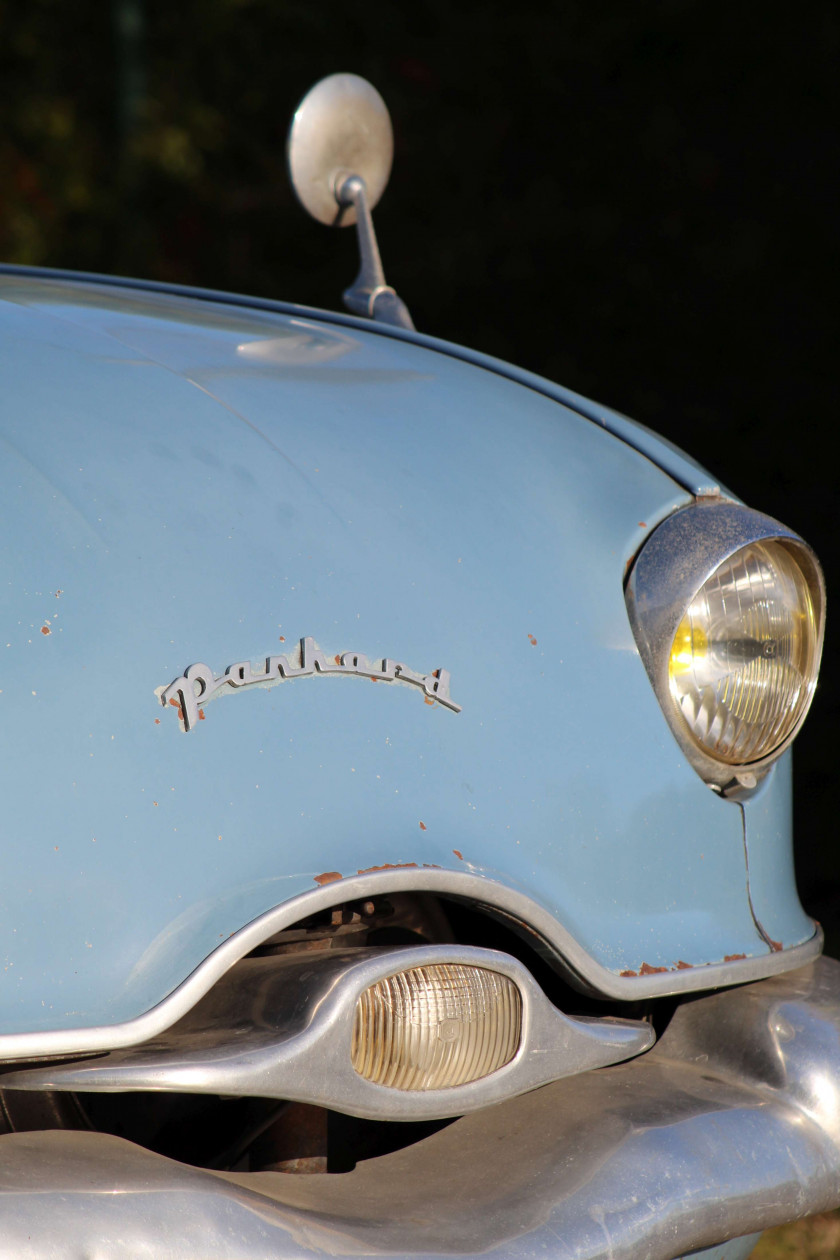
<point x="744" y="659"/>
<point x="435" y="1027"/>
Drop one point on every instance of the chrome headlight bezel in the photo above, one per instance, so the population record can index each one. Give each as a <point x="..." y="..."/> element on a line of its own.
<point x="678" y="559"/>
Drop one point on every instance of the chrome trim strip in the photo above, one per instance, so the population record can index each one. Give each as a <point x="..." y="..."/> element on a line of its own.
<point x="730" y="1125"/>
<point x="555" y="940"/>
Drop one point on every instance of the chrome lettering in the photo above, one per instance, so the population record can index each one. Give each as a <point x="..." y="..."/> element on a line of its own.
<point x="198" y="684"/>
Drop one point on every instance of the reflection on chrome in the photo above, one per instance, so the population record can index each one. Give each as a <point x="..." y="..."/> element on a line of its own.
<point x="823" y="1090"/>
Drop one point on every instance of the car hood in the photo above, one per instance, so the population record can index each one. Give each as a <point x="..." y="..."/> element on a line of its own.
<point x="186" y="482"/>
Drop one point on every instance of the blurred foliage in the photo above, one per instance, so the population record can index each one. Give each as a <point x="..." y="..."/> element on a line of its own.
<point x="814" y="1238"/>
<point x="591" y="202"/>
<point x="636" y="199"/>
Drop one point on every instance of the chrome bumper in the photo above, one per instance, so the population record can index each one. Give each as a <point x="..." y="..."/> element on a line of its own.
<point x="731" y="1124"/>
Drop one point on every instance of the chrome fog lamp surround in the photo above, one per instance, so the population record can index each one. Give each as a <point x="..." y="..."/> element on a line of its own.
<point x="728" y="608"/>
<point x="469" y="1027"/>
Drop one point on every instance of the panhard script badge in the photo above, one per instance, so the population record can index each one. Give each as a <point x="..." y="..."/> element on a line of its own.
<point x="198" y="684"/>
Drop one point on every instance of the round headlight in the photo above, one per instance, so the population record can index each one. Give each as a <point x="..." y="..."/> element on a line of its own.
<point x="727" y="607"/>
<point x="744" y="659"/>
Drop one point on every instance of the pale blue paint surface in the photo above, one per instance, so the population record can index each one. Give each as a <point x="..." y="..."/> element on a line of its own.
<point x="193" y="501"/>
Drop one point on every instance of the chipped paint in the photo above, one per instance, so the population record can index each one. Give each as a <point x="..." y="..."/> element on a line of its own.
<point x="647" y="970"/>
<point x="328" y="877"/>
<point x="388" y="866"/>
<point x="177" y="707"/>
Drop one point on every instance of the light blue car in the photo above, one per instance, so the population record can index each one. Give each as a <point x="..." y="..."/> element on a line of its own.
<point x="466" y="923"/>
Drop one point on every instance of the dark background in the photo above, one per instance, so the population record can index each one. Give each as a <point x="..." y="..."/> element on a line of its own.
<point x="636" y="199"/>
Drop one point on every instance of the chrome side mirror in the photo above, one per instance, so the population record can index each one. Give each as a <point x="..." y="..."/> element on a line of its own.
<point x="340" y="150"/>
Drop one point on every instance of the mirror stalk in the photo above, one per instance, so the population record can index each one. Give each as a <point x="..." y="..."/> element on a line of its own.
<point x="369" y="295"/>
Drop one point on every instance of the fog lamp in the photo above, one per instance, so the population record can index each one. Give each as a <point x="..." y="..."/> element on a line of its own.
<point x="745" y="656"/>
<point x="436" y="1027"/>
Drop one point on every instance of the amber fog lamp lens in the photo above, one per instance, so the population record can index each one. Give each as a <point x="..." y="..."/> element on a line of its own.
<point x="745" y="656"/>
<point x="436" y="1027"/>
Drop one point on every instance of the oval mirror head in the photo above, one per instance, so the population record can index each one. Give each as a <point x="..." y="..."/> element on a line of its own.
<point x="341" y="128"/>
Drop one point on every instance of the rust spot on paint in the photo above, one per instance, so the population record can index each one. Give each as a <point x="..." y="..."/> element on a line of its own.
<point x="58" y="592"/>
<point x="376" y="680"/>
<point x="328" y="877"/>
<point x="45" y="630"/>
<point x="683" y="966"/>
<point x="532" y="640"/>
<point x="174" y="703"/>
<point x="459" y="855"/>
<point x="431" y="866"/>
<point x="157" y="721"/>
<point x="337" y="660"/>
<point x="642" y="524"/>
<point x="776" y="947"/>
<point x="154" y="802"/>
<point x="388" y="866"/>
<point x="426" y="700"/>
<point x="201" y="715"/>
<point x="422" y="826"/>
<point x="628" y="973"/>
<point x="282" y="638"/>
<point x="647" y="970"/>
<point x="733" y="957"/>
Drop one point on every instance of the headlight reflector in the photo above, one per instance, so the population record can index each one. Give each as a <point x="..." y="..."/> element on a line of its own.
<point x="436" y="1027"/>
<point x="744" y="659"/>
